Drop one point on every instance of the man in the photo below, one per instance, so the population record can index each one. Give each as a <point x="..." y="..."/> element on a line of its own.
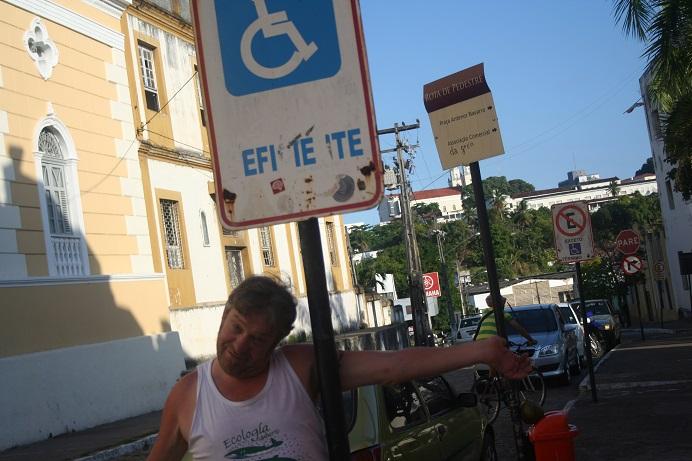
<point x="487" y="328"/>
<point x="256" y="400"/>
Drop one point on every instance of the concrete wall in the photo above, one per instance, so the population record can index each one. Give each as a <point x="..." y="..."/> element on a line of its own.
<point x="50" y="393"/>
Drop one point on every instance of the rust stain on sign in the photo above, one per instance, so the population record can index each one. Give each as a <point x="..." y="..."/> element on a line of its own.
<point x="366" y="170"/>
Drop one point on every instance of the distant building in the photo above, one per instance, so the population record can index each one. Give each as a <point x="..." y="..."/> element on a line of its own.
<point x="576" y="177"/>
<point x="538" y="289"/>
<point x="676" y="212"/>
<point x="447" y="198"/>
<point x="594" y="192"/>
<point x="459" y="176"/>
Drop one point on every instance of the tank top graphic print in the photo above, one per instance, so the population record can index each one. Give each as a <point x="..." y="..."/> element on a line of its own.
<point x="279" y="423"/>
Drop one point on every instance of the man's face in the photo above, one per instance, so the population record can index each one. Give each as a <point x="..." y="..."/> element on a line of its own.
<point x="245" y="344"/>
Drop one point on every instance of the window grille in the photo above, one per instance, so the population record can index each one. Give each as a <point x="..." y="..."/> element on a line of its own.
<point x="331" y="243"/>
<point x="171" y="227"/>
<point x="234" y="259"/>
<point x="146" y="62"/>
<point x="267" y="248"/>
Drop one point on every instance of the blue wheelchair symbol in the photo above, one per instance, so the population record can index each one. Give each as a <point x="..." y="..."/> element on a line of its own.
<point x="574" y="249"/>
<point x="269" y="44"/>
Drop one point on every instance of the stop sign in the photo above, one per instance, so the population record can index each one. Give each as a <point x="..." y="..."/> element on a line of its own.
<point x="627" y="242"/>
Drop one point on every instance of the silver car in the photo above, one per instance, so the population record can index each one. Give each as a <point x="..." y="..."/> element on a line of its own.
<point x="556" y="352"/>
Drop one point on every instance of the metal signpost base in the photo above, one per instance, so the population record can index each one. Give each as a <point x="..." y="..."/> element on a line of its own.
<point x="587" y="333"/>
<point x="327" y="364"/>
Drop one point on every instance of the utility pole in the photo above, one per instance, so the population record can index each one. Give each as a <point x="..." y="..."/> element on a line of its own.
<point x="421" y="326"/>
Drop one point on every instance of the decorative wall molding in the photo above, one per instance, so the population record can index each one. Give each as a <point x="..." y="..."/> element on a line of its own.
<point x="63" y="16"/>
<point x="41" y="48"/>
<point x="51" y="281"/>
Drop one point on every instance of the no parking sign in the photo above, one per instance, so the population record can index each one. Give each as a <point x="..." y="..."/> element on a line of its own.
<point x="572" y="230"/>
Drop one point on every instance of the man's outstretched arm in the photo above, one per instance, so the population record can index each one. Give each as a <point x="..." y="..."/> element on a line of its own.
<point x="376" y="367"/>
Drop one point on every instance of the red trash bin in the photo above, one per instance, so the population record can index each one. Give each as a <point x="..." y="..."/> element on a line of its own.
<point x="553" y="438"/>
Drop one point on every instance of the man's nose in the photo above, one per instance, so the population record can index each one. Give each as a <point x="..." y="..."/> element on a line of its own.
<point x="242" y="343"/>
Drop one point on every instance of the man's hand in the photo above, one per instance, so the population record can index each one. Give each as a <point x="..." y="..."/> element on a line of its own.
<point x="504" y="361"/>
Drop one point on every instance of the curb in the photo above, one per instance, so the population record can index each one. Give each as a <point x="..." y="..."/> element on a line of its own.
<point x="121" y="450"/>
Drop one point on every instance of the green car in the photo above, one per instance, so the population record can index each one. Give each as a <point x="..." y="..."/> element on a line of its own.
<point x="423" y="420"/>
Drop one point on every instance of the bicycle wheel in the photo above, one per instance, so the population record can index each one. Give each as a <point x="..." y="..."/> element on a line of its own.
<point x="532" y="388"/>
<point x="488" y="398"/>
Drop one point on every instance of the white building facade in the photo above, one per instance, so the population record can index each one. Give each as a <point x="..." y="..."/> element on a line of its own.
<point x="676" y="212"/>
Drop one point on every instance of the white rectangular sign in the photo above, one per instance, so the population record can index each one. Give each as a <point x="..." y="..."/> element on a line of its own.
<point x="572" y="229"/>
<point x="463" y="118"/>
<point x="291" y="114"/>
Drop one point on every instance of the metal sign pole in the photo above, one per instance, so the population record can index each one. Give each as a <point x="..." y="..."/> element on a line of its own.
<point x="327" y="364"/>
<point x="587" y="333"/>
<point x="494" y="285"/>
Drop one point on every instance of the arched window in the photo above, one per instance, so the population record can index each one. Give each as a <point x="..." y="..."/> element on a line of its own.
<point x="60" y="205"/>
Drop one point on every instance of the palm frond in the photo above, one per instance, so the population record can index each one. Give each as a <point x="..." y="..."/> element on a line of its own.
<point x="635" y="16"/>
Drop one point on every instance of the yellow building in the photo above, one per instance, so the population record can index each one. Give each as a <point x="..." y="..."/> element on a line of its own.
<point x="84" y="316"/>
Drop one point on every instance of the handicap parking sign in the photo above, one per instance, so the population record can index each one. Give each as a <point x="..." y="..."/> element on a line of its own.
<point x="575" y="249"/>
<point x="269" y="44"/>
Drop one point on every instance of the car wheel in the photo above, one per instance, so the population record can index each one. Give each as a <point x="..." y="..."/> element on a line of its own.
<point x="597" y="349"/>
<point x="489" y="452"/>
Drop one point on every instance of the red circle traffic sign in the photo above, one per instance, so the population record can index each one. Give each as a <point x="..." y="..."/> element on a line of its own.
<point x="631" y="265"/>
<point x="571" y="221"/>
<point x="428" y="282"/>
<point x="627" y="242"/>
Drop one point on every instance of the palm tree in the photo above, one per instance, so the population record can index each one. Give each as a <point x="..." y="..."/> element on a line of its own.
<point x="614" y="189"/>
<point x="666" y="28"/>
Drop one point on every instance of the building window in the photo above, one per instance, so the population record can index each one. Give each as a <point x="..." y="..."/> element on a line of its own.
<point x="66" y="249"/>
<point x="267" y="247"/>
<point x="231" y="233"/>
<point x="200" y="97"/>
<point x="205" y="228"/>
<point x="171" y="227"/>
<point x="331" y="243"/>
<point x="234" y="259"/>
<point x="146" y="64"/>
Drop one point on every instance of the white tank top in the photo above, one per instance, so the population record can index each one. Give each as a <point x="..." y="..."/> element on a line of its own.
<point x="279" y="423"/>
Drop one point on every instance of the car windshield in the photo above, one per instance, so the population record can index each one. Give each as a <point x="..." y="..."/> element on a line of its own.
<point x="534" y="321"/>
<point x="597" y="307"/>
<point x="567" y="314"/>
<point x="469" y="322"/>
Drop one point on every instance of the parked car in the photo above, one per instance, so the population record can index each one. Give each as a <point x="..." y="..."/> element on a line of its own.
<point x="467" y="328"/>
<point x="556" y="352"/>
<point x="421" y="420"/>
<point x="571" y="317"/>
<point x="604" y="320"/>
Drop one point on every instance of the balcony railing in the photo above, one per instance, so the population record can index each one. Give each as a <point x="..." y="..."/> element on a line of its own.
<point x="68" y="256"/>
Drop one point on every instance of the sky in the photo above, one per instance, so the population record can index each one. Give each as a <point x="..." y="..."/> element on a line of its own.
<point x="561" y="73"/>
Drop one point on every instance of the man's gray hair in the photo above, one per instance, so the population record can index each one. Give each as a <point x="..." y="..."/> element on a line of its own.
<point x="266" y="296"/>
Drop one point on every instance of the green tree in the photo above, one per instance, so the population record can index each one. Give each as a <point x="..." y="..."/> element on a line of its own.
<point x="647" y="167"/>
<point x="665" y="26"/>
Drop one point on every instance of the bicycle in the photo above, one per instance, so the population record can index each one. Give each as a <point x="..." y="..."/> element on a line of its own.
<point x="493" y="390"/>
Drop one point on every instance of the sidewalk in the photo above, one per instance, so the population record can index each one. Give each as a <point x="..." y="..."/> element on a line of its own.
<point x="644" y="406"/>
<point x="643" y="411"/>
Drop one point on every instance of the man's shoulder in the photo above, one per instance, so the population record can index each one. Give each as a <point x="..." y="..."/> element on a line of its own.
<point x="186" y="384"/>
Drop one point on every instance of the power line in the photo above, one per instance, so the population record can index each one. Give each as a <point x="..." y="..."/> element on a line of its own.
<point x="169" y="101"/>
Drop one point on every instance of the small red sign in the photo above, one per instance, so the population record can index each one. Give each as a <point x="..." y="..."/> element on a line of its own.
<point x="627" y="242"/>
<point x="431" y="284"/>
